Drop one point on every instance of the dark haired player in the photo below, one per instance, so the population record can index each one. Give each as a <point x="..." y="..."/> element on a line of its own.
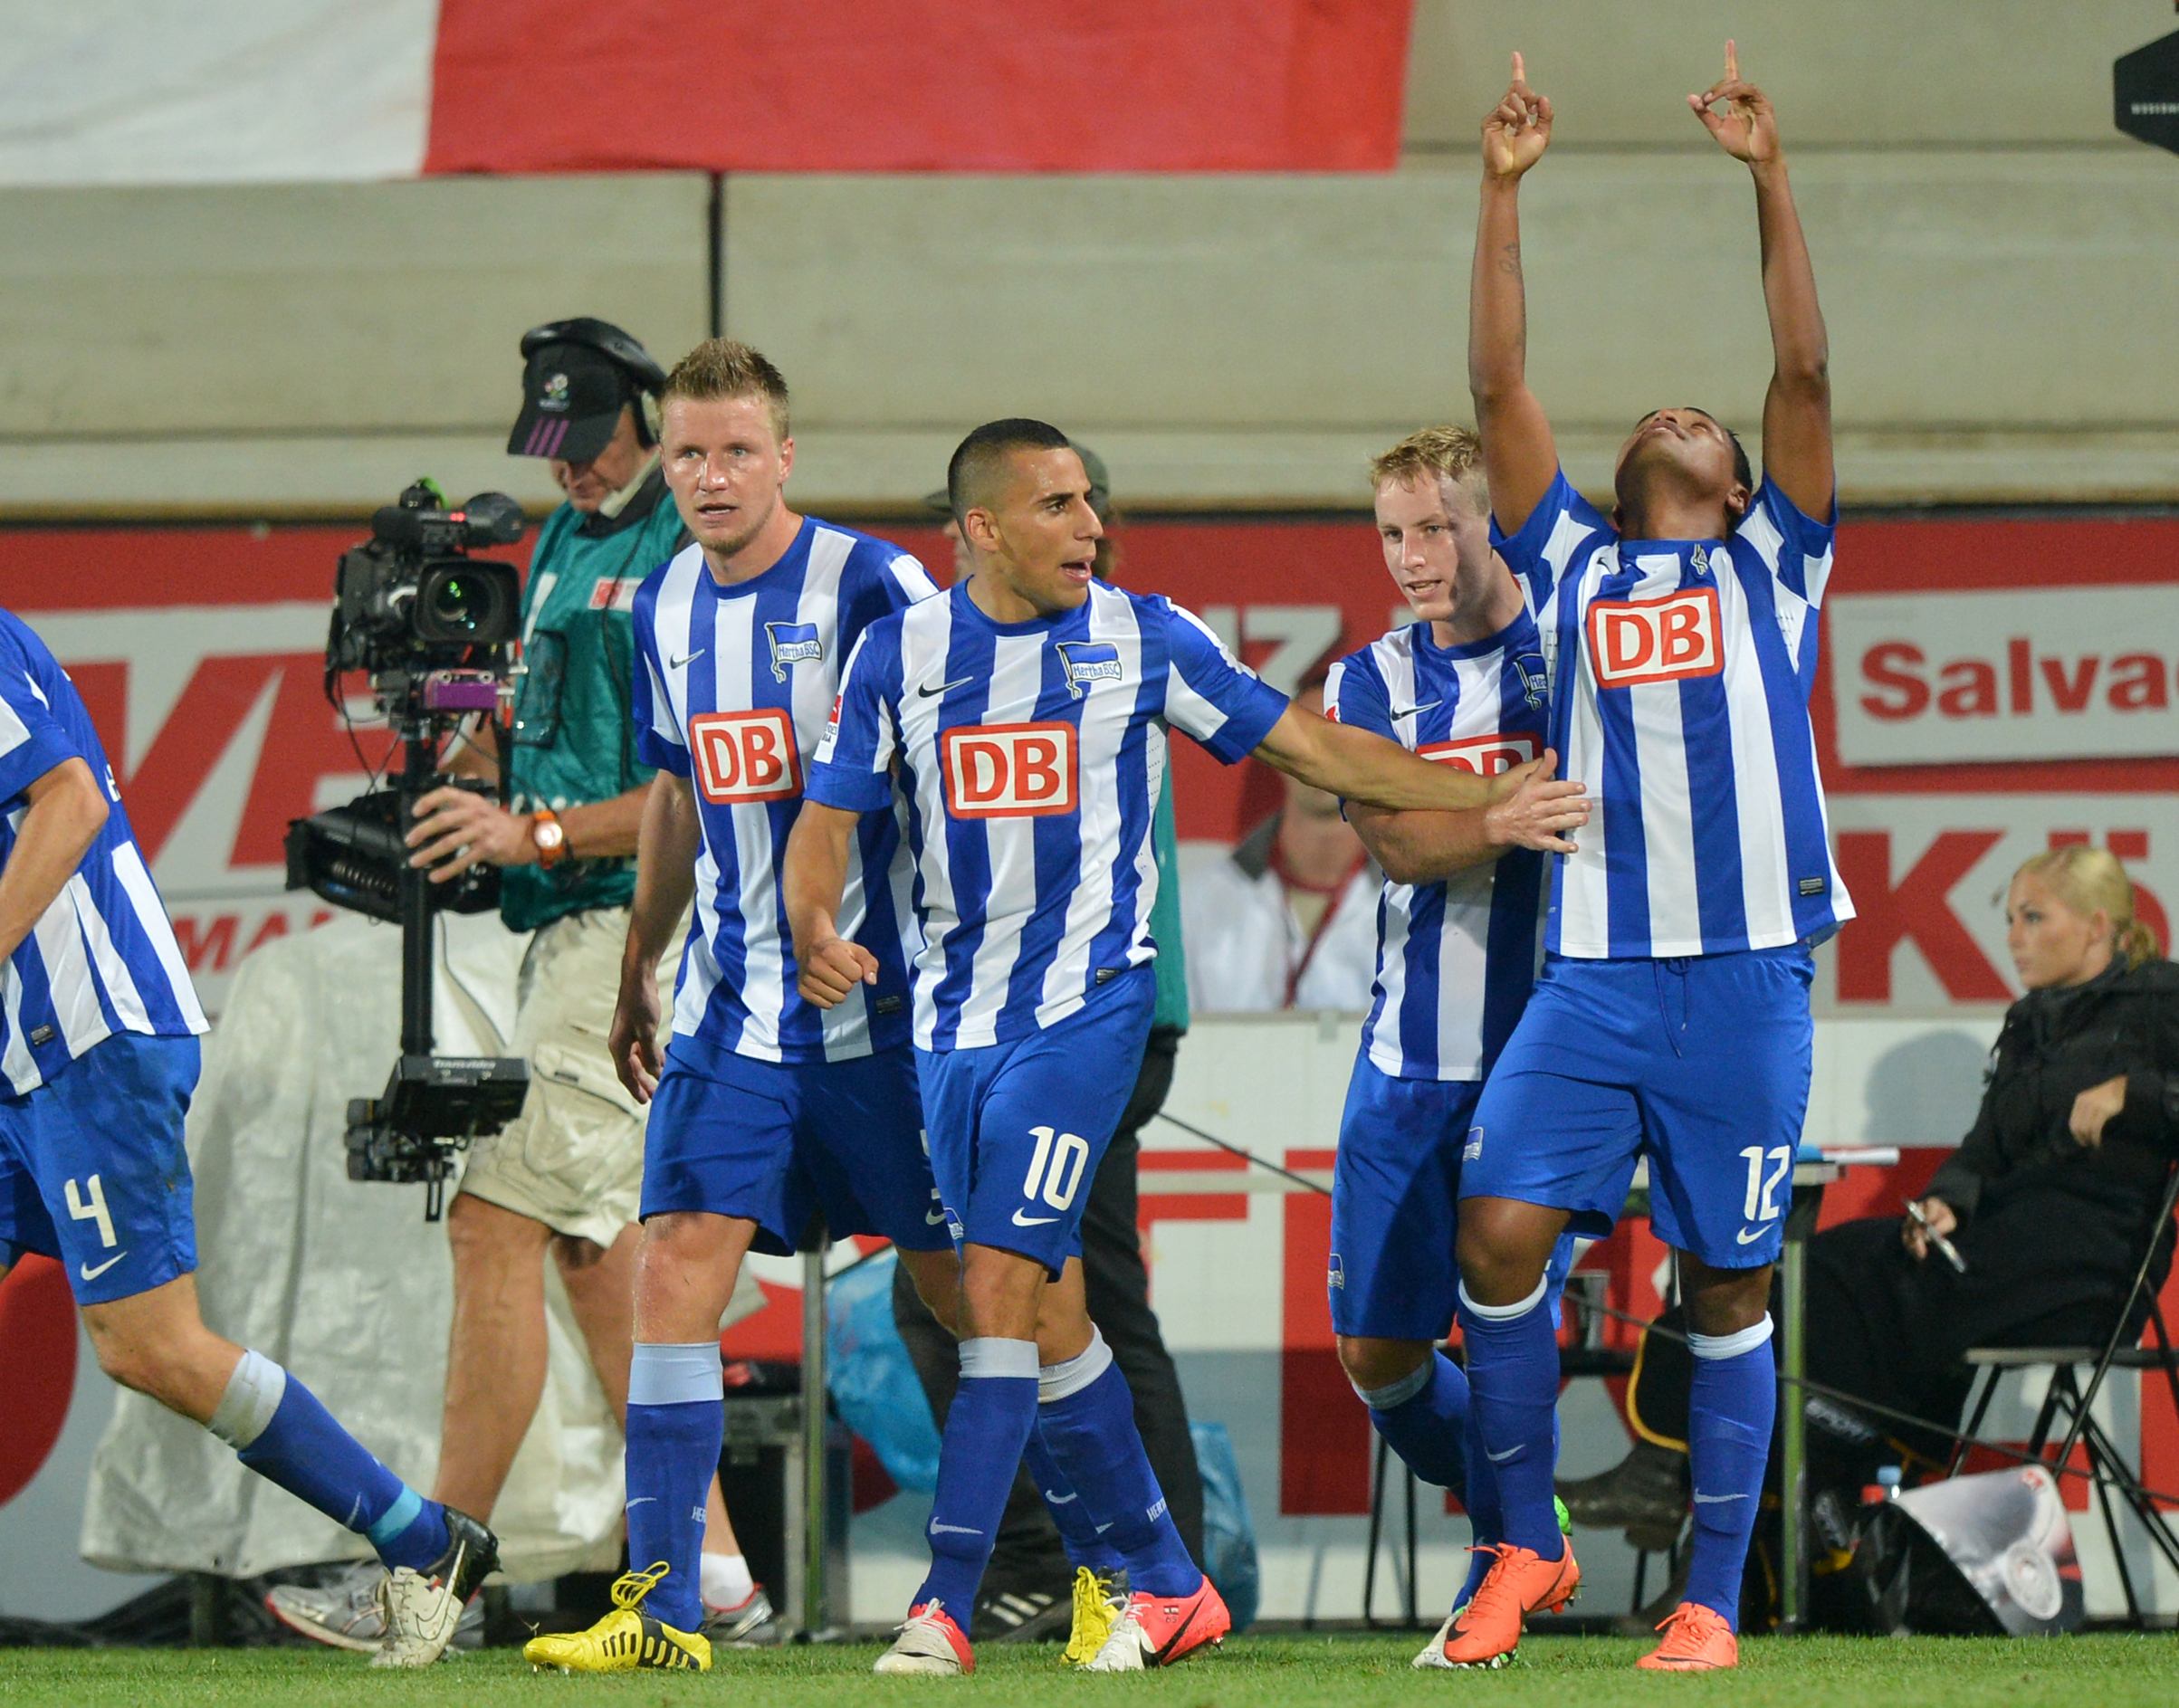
<point x="98" y="1047"/>
<point x="1024" y="715"/>
<point x="1672" y="1017"/>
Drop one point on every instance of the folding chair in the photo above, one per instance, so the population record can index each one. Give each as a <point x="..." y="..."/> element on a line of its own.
<point x="2068" y="1399"/>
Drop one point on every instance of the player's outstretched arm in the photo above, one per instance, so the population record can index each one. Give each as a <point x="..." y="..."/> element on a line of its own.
<point x="1427" y="847"/>
<point x="66" y="812"/>
<point x="1797" y="411"/>
<point x="815" y="876"/>
<point x="670" y="836"/>
<point x="1361" y="767"/>
<point x="1518" y="454"/>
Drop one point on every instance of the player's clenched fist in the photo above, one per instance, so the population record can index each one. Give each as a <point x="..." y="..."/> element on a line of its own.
<point x="634" y="1036"/>
<point x="1518" y="130"/>
<point x="1533" y="809"/>
<point x="833" y="969"/>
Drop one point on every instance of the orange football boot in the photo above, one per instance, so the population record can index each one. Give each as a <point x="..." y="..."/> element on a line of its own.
<point x="1520" y="1582"/>
<point x="1696" y="1640"/>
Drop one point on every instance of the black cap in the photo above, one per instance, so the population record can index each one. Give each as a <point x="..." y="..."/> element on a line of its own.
<point x="571" y="403"/>
<point x="579" y="375"/>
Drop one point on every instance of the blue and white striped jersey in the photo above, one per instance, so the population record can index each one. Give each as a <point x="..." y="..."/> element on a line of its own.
<point x="1031" y="755"/>
<point x="102" y="958"/>
<point x="1681" y="675"/>
<point x="733" y="692"/>
<point x="1456" y="960"/>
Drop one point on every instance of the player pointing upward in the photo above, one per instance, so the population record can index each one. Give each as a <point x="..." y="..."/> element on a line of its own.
<point x="1673" y="1013"/>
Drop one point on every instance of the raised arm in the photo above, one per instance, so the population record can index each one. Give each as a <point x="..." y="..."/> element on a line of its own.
<point x="1518" y="454"/>
<point x="1797" y="410"/>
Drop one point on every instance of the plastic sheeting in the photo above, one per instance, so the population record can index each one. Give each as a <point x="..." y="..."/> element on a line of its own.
<point x="344" y="1284"/>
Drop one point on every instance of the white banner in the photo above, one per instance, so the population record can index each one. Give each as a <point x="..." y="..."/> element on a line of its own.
<point x="2054" y="674"/>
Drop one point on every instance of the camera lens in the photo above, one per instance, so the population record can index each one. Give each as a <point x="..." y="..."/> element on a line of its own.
<point x="462" y="605"/>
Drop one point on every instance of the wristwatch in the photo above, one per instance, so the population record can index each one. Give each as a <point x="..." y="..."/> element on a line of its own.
<point x="551" y="839"/>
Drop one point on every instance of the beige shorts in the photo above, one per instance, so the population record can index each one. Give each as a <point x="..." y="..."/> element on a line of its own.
<point x="573" y="1159"/>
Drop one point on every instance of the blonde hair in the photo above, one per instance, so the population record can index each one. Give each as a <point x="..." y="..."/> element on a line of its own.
<point x="2090" y="879"/>
<point x="723" y="367"/>
<point x="1446" y="453"/>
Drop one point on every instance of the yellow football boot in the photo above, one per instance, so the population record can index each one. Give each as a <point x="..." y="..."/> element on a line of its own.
<point x="1097" y="1607"/>
<point x="625" y="1639"/>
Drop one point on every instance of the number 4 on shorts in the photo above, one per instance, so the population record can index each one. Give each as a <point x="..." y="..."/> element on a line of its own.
<point x="94" y="1211"/>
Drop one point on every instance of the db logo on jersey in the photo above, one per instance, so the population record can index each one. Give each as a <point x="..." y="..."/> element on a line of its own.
<point x="1008" y="771"/>
<point x="746" y="756"/>
<point x="1656" y="640"/>
<point x="1485" y="755"/>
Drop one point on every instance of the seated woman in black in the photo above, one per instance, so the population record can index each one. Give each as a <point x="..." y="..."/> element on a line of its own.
<point x="2048" y="1201"/>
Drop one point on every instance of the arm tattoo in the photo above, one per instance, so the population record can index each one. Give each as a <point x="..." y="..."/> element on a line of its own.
<point x="1509" y="260"/>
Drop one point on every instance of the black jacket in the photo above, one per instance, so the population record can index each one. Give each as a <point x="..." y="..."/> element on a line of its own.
<point x="2054" y="1045"/>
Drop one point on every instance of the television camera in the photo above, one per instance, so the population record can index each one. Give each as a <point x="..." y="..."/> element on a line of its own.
<point x="433" y="628"/>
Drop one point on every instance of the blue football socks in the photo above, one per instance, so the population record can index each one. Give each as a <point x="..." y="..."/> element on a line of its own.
<point x="1731" y="1406"/>
<point x="1423" y="1417"/>
<point x="993" y="1412"/>
<point x="1513" y="1376"/>
<point x="677" y="1427"/>
<point x="280" y="1430"/>
<point x="1087" y="1418"/>
<point x="1085" y="1545"/>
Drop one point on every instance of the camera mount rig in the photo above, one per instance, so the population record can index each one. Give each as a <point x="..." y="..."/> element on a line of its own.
<point x="434" y="628"/>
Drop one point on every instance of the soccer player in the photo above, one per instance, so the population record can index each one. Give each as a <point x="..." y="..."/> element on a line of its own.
<point x="99" y="1034"/>
<point x="1672" y="1017"/>
<point x="1025" y="716"/>
<point x="765" y="1108"/>
<point x="1458" y="924"/>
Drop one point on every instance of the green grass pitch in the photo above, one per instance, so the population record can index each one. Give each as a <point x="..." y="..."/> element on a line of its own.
<point x="2098" y="1672"/>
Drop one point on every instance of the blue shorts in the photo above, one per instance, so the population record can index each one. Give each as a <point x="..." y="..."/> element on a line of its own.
<point x="775" y="1143"/>
<point x="1395" y="1197"/>
<point x="1018" y="1128"/>
<point x="93" y="1172"/>
<point x="1700" y="1064"/>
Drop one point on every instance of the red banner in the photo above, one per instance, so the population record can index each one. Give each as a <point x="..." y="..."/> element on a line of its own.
<point x="918" y="85"/>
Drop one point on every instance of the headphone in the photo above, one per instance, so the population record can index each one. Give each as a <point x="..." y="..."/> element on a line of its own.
<point x="646" y="378"/>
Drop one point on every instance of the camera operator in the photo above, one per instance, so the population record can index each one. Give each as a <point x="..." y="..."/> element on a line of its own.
<point x="566" y="1175"/>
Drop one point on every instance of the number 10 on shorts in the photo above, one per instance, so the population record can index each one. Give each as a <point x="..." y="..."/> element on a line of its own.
<point x="1055" y="1166"/>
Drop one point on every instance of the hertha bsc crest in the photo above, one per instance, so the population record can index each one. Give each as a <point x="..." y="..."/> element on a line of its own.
<point x="792" y="643"/>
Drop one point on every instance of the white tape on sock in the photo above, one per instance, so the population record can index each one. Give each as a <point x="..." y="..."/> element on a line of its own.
<point x="675" y="1374"/>
<point x="1506" y="1312"/>
<point x="1398" y="1393"/>
<point x="1059" y="1381"/>
<point x="991" y="1356"/>
<point x="252" y="1395"/>
<point x="1715" y="1346"/>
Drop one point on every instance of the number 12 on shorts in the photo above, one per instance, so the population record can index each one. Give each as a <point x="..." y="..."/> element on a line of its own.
<point x="1762" y="1206"/>
<point x="1057" y="1167"/>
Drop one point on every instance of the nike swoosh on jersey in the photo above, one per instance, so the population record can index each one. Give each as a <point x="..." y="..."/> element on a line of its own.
<point x="1715" y="1500"/>
<point x="934" y="1221"/>
<point x="1051" y="1498"/>
<point x="1032" y="1221"/>
<point x="1500" y="1458"/>
<point x="89" y="1274"/>
<point x="1749" y="1236"/>
<point x="686" y="658"/>
<point x="938" y="1529"/>
<point x="1421" y="706"/>
<point x="945" y="687"/>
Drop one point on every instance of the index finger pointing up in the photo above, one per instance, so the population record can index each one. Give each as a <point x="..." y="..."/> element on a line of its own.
<point x="1520" y="70"/>
<point x="1732" y="62"/>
